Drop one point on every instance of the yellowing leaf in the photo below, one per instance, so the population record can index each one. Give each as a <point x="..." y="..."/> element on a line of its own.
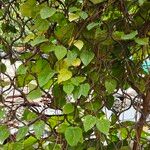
<point x="64" y="75"/>
<point x="76" y="62"/>
<point x="79" y="44"/>
<point x="62" y="64"/>
<point x="73" y="17"/>
<point x="96" y="1"/>
<point x="27" y="8"/>
<point x="29" y="37"/>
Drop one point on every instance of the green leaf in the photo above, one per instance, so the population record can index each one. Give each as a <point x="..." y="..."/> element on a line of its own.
<point x="53" y="146"/>
<point x="27" y="143"/>
<point x="4" y="133"/>
<point x="82" y="14"/>
<point x="86" y="57"/>
<point x="47" y="12"/>
<point x="92" y="25"/>
<point x="76" y="93"/>
<point x="97" y="1"/>
<point x="62" y="128"/>
<point x="22" y="133"/>
<point x="129" y="36"/>
<point x="2" y="67"/>
<point x="142" y="41"/>
<point x="84" y="89"/>
<point x="22" y="69"/>
<point x="45" y="75"/>
<point x="77" y="80"/>
<point x="2" y="113"/>
<point x="64" y="75"/>
<point x="39" y="128"/>
<point x="60" y="52"/>
<point x="89" y="122"/>
<point x="46" y="48"/>
<point x="79" y="44"/>
<point x="68" y="88"/>
<point x="34" y="94"/>
<point x="91" y="148"/>
<point x="38" y="40"/>
<point x="73" y="135"/>
<point x="68" y="108"/>
<point x="103" y="125"/>
<point x="110" y="85"/>
<point x="41" y="25"/>
<point x="1" y="13"/>
<point x="71" y="56"/>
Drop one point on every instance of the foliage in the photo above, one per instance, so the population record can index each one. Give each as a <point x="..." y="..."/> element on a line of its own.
<point x="74" y="55"/>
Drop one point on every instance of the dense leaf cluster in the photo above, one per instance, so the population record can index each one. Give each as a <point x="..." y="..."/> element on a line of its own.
<point x="73" y="56"/>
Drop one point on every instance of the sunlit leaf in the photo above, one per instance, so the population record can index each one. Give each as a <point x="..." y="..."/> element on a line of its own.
<point x="21" y="69"/>
<point x="89" y="122"/>
<point x="103" y="125"/>
<point x="64" y="75"/>
<point x="73" y="17"/>
<point x="76" y="62"/>
<point x="4" y="133"/>
<point x="79" y="44"/>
